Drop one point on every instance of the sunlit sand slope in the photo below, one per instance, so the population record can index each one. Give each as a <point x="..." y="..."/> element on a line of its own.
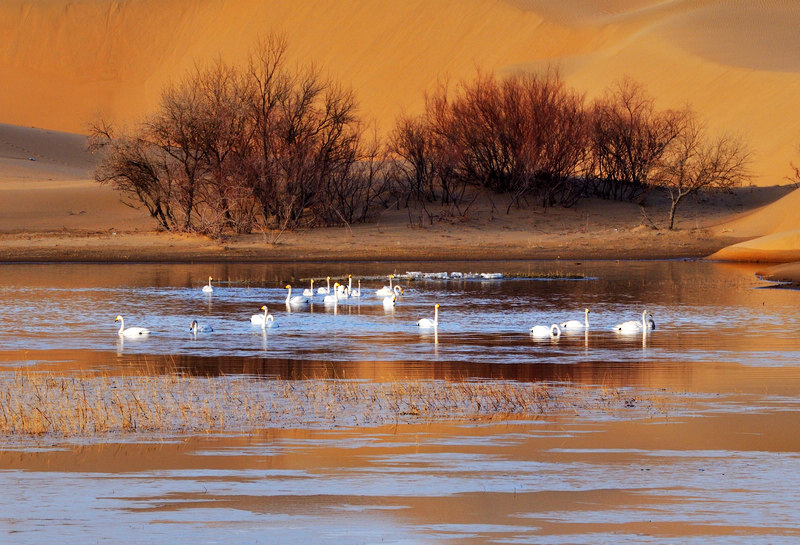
<point x="64" y="62"/>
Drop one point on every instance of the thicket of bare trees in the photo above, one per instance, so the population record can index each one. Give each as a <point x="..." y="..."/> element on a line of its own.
<point x="234" y="148"/>
<point x="533" y="138"/>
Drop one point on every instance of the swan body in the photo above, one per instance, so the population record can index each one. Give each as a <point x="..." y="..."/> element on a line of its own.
<point x="197" y="328"/>
<point x="635" y="326"/>
<point x="309" y="292"/>
<point x="356" y="292"/>
<point x="264" y="320"/>
<point x="543" y="331"/>
<point x="427" y="323"/>
<point x="297" y="300"/>
<point x="207" y="288"/>
<point x="577" y="324"/>
<point x="325" y="291"/>
<point x="131" y="331"/>
<point x="386" y="291"/>
<point x="389" y="302"/>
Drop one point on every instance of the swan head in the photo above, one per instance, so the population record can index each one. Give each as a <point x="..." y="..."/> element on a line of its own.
<point x="118" y="318"/>
<point x="264" y="307"/>
<point x="436" y="305"/>
<point x="288" y="286"/>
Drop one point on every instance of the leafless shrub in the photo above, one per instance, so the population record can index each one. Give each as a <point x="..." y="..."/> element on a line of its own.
<point x="628" y="136"/>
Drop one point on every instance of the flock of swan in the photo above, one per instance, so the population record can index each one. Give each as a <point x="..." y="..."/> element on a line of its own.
<point x="339" y="292"/>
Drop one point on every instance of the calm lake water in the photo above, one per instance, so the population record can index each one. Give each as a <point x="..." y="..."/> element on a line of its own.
<point x="719" y="467"/>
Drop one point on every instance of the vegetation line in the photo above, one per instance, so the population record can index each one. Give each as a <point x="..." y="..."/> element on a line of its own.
<point x="35" y="403"/>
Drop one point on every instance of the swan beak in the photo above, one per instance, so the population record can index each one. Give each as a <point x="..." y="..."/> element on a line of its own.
<point x="287" y="286"/>
<point x="264" y="308"/>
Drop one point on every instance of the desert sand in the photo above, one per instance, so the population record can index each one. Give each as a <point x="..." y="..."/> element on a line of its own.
<point x="65" y="63"/>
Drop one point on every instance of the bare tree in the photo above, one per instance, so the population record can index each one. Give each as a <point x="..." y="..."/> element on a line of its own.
<point x="693" y="163"/>
<point x="133" y="167"/>
<point x="628" y="137"/>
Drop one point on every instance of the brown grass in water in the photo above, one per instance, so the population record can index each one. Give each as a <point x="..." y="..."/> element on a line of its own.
<point x="35" y="403"/>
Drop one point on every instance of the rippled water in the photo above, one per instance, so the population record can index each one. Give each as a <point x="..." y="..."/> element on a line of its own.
<point x="721" y="469"/>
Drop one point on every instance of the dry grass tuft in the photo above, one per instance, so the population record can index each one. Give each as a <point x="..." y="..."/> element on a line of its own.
<point x="35" y="403"/>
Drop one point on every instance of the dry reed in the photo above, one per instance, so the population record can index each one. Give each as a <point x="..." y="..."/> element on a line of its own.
<point x="35" y="403"/>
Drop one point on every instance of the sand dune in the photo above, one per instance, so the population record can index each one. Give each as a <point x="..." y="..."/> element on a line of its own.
<point x="64" y="62"/>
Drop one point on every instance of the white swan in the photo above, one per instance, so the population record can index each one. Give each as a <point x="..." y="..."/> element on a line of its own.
<point x="264" y="320"/>
<point x="197" y="328"/>
<point x="634" y="326"/>
<point x="427" y="323"/>
<point x="131" y="331"/>
<point x="332" y="298"/>
<point x="325" y="291"/>
<point x="577" y="324"/>
<point x="386" y="291"/>
<point x="295" y="301"/>
<point x="309" y="292"/>
<point x="355" y="292"/>
<point x="543" y="331"/>
<point x="342" y="291"/>
<point x="207" y="288"/>
<point x="389" y="302"/>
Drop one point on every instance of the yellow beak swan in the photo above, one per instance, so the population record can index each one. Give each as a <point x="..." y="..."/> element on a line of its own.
<point x="427" y="323"/>
<point x="131" y="331"/>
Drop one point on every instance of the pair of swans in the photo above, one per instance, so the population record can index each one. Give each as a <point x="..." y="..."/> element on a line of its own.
<point x="554" y="330"/>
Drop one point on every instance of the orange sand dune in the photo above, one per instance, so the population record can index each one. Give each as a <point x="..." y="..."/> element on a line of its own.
<point x="65" y="61"/>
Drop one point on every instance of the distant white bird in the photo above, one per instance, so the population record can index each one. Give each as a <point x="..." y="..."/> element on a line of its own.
<point x="309" y="292"/>
<point x="543" y="331"/>
<point x="427" y="323"/>
<point x="325" y="291"/>
<point x="207" y="288"/>
<point x="197" y="328"/>
<point x="131" y="331"/>
<point x="297" y="300"/>
<point x="634" y="326"/>
<point x="577" y="324"/>
<point x="264" y="320"/>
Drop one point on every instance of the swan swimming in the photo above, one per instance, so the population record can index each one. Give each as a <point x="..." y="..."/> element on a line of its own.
<point x="634" y="326"/>
<point x="386" y="291"/>
<point x="197" y="328"/>
<point x="325" y="291"/>
<point x="543" y="331"/>
<point x="356" y="292"/>
<point x="389" y="302"/>
<point x="207" y="288"/>
<point x="309" y="292"/>
<point x="333" y="297"/>
<point x="577" y="324"/>
<point x="264" y="320"/>
<point x="297" y="300"/>
<point x="131" y="331"/>
<point x="427" y="323"/>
